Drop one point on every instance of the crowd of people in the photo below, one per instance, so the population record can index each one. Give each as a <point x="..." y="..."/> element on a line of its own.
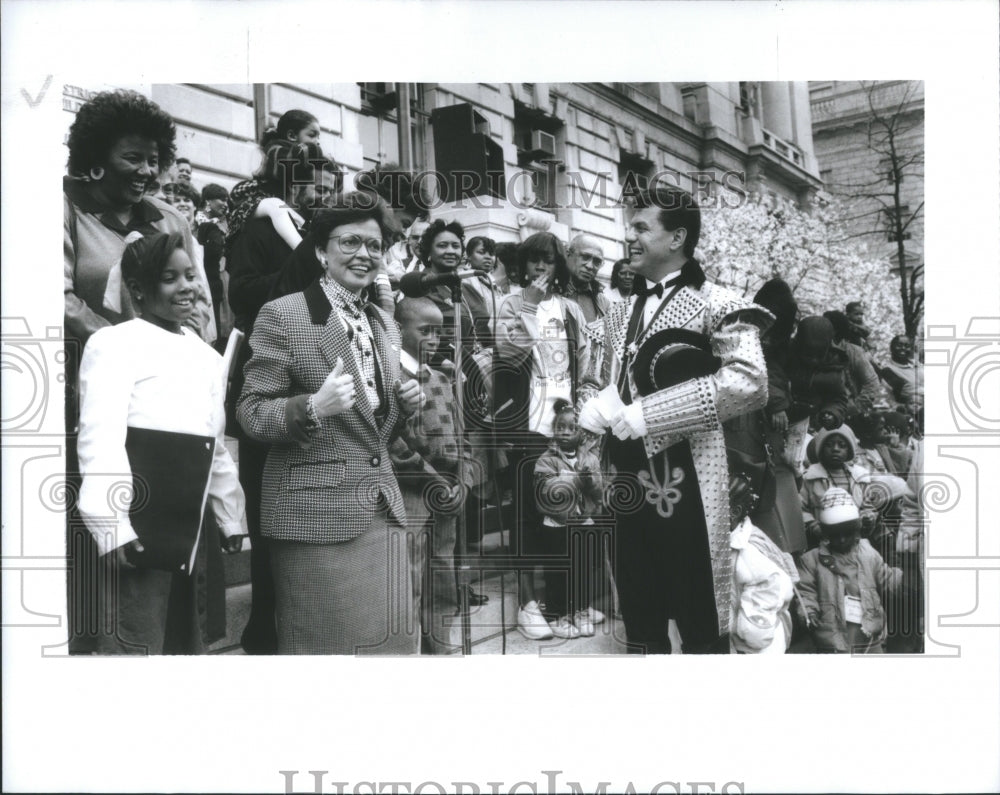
<point x="740" y="478"/>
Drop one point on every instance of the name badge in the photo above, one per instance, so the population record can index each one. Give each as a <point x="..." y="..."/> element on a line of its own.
<point x="852" y="609"/>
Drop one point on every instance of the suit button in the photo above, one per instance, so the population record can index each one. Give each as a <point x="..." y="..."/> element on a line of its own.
<point x="376" y="460"/>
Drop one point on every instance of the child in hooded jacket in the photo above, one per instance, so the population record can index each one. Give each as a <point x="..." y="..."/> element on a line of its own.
<point x="832" y="453"/>
<point x="841" y="582"/>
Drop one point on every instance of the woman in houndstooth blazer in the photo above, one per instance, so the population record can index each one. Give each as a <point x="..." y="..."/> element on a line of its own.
<point x="322" y="387"/>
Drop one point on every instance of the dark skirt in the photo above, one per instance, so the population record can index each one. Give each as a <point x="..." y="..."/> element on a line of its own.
<point x="355" y="597"/>
<point x="147" y="611"/>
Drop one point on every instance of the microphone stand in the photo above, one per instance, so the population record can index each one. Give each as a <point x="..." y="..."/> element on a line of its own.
<point x="497" y="494"/>
<point x="462" y="545"/>
<point x="463" y="592"/>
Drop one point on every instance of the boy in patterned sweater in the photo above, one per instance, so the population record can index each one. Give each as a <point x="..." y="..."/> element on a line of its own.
<point x="430" y="477"/>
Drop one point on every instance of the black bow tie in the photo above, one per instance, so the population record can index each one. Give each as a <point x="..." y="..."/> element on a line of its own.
<point x="656" y="289"/>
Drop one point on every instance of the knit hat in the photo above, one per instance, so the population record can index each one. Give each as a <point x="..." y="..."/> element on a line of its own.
<point x="841" y="325"/>
<point x="814" y="335"/>
<point x="816" y="443"/>
<point x="837" y="507"/>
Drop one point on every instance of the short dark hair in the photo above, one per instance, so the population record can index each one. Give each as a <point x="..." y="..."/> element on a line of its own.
<point x="180" y="160"/>
<point x="409" y="307"/>
<point x="185" y="190"/>
<point x="291" y="122"/>
<point x="393" y="184"/>
<point x="144" y="259"/>
<point x="841" y="325"/>
<point x="486" y="242"/>
<point x="616" y="269"/>
<point x="107" y="118"/>
<point x="507" y="254"/>
<point x="678" y="210"/>
<point x="431" y="232"/>
<point x="899" y="422"/>
<point x="544" y="246"/>
<point x="854" y="305"/>
<point x="349" y="208"/>
<point x="213" y="191"/>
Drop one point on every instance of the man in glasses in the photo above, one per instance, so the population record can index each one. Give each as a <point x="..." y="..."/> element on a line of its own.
<point x="584" y="259"/>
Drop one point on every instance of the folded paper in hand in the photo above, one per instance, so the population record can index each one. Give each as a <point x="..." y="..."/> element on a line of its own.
<point x="601" y="411"/>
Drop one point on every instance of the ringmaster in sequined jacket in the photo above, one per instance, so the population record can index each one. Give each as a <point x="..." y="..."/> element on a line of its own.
<point x="676" y="476"/>
<point x="690" y="415"/>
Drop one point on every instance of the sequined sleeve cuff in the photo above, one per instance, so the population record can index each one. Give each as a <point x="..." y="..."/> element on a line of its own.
<point x="679" y="412"/>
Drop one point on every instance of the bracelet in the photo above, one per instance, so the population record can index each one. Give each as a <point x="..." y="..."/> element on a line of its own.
<point x="311" y="410"/>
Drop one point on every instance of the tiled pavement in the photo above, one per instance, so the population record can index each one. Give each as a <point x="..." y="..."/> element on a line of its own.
<point x="492" y="627"/>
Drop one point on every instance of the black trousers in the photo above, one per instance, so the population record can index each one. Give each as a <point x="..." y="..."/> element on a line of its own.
<point x="260" y="636"/>
<point x="522" y="459"/>
<point x="573" y="566"/>
<point x="663" y="564"/>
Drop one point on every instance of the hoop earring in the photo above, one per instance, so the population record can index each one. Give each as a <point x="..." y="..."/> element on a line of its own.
<point x="96" y="174"/>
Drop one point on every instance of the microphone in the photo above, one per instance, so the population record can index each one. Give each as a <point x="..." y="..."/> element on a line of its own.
<point x="417" y="284"/>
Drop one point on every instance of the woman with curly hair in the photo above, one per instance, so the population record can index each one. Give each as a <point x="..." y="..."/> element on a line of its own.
<point x="118" y="144"/>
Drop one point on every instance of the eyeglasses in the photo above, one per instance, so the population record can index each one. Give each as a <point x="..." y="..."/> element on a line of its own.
<point x="350" y="244"/>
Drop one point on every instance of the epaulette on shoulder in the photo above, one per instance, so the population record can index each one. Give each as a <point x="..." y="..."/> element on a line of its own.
<point x="728" y="306"/>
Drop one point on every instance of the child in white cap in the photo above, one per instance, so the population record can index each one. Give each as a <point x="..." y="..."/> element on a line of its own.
<point x="840" y="582"/>
<point x="832" y="456"/>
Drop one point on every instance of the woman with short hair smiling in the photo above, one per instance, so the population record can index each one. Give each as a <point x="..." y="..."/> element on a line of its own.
<point x="322" y="388"/>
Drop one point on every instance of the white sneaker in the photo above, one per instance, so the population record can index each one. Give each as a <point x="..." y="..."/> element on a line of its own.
<point x="595" y="615"/>
<point x="532" y="624"/>
<point x="564" y="628"/>
<point x="583" y="622"/>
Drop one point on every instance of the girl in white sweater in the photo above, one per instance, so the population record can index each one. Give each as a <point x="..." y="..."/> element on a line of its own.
<point x="152" y="373"/>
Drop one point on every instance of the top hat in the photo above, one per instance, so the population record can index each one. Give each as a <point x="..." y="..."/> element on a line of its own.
<point x="671" y="357"/>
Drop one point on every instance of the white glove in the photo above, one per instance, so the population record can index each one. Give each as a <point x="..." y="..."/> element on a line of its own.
<point x="591" y="418"/>
<point x="629" y="423"/>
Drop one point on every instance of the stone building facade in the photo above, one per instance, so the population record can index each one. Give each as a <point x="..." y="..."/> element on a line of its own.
<point x="566" y="148"/>
<point x="849" y="131"/>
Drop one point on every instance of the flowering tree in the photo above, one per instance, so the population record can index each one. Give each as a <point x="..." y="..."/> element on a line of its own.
<point x="743" y="247"/>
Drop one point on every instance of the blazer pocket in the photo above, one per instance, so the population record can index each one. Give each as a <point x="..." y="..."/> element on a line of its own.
<point x="316" y="475"/>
